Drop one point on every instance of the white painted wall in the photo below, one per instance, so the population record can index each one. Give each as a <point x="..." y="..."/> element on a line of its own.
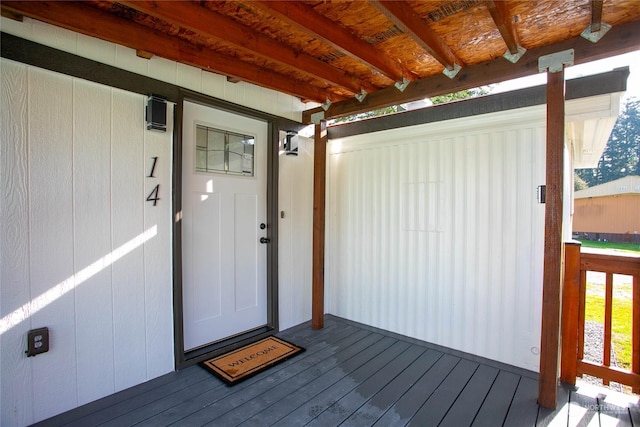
<point x="295" y="235"/>
<point x="434" y="232"/>
<point x="82" y="252"/>
<point x="193" y="78"/>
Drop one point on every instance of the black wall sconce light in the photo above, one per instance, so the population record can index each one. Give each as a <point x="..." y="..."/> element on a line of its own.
<point x="291" y="143"/>
<point x="156" y="113"/>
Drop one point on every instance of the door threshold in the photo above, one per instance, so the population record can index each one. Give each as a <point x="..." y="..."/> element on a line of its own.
<point x="217" y="348"/>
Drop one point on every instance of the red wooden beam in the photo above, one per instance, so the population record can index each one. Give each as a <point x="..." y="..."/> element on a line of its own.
<point x="504" y="21"/>
<point x="553" y="249"/>
<point x="635" y="332"/>
<point x="208" y="23"/>
<point x="82" y="18"/>
<point x="319" y="189"/>
<point x="620" y="39"/>
<point x="405" y="18"/>
<point x="596" y="15"/>
<point x="307" y="19"/>
<point x="11" y="15"/>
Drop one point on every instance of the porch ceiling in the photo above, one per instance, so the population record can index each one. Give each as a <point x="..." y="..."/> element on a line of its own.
<point x="342" y="50"/>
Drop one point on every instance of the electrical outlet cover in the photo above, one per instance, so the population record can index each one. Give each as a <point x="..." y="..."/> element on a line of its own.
<point x="37" y="341"/>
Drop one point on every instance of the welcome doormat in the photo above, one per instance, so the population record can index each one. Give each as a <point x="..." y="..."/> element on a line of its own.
<point x="240" y="364"/>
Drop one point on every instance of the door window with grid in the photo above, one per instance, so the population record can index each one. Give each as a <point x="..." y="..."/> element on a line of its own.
<point x="221" y="151"/>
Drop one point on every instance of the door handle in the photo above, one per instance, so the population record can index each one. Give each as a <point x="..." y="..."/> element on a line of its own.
<point x="264" y="240"/>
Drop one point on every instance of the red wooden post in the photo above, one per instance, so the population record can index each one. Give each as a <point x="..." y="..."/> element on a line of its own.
<point x="581" y="304"/>
<point x="570" y="312"/>
<point x="552" y="275"/>
<point x="635" y="352"/>
<point x="608" y="308"/>
<point x="319" y="188"/>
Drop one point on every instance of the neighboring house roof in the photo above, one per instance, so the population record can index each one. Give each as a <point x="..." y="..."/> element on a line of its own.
<point x="627" y="185"/>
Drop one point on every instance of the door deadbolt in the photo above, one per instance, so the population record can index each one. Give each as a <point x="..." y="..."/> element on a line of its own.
<point x="263" y="226"/>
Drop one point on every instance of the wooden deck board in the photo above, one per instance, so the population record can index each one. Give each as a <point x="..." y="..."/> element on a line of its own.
<point x="354" y="400"/>
<point x="133" y="404"/>
<point x="89" y="414"/>
<point x="437" y="406"/>
<point x="312" y="408"/>
<point x="558" y="416"/>
<point x="524" y="407"/>
<point x="311" y="389"/>
<point x="496" y="405"/>
<point x="405" y="408"/>
<point x="634" y="413"/>
<point x="614" y="410"/>
<point x="468" y="403"/>
<point x="583" y="411"/>
<point x="355" y="375"/>
<point x="368" y="413"/>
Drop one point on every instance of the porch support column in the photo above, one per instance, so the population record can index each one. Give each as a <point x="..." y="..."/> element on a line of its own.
<point x="319" y="189"/>
<point x="553" y="248"/>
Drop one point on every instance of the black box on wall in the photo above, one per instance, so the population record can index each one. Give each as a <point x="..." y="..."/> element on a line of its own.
<point x="156" y="114"/>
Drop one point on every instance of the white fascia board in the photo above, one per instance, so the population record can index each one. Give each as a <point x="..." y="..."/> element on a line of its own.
<point x="589" y="124"/>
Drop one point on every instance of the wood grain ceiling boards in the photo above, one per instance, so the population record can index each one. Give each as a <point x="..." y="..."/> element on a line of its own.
<point x="335" y="50"/>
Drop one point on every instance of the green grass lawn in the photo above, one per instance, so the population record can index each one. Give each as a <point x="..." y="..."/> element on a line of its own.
<point x="626" y="247"/>
<point x="621" y="323"/>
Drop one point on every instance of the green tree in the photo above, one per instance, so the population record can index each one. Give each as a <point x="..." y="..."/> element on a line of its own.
<point x="370" y="114"/>
<point x="463" y="94"/>
<point x="579" y="183"/>
<point x="442" y="99"/>
<point x="621" y="156"/>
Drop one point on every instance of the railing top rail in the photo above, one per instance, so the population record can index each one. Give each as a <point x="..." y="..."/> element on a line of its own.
<point x="588" y="252"/>
<point x="608" y="263"/>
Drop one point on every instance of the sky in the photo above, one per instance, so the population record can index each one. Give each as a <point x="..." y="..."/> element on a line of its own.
<point x="629" y="59"/>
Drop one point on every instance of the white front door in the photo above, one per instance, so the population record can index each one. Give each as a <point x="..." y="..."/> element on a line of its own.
<point x="224" y="183"/>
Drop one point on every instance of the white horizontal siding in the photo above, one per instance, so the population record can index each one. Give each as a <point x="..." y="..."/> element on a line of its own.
<point x="82" y="252"/>
<point x="216" y="85"/>
<point x="435" y="232"/>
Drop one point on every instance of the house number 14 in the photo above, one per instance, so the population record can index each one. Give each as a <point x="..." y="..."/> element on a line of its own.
<point x="153" y="196"/>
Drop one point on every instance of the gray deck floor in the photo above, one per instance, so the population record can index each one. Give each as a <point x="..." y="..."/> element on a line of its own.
<point x="354" y="375"/>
